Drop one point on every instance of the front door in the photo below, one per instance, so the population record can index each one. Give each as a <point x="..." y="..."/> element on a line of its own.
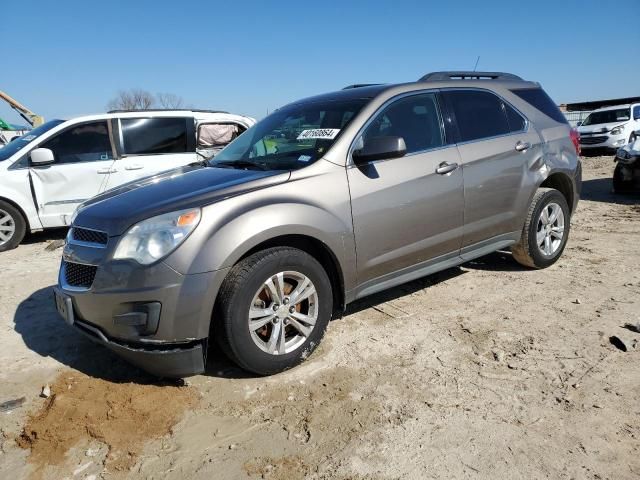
<point x="152" y="145"/>
<point x="83" y="158"/>
<point x="404" y="212"/>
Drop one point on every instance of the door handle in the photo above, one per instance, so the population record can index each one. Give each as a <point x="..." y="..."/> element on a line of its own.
<point x="135" y="166"/>
<point x="523" y="146"/>
<point x="445" y="168"/>
<point x="105" y="171"/>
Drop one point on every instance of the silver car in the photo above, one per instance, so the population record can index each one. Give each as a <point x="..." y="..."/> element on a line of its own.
<point x="325" y="201"/>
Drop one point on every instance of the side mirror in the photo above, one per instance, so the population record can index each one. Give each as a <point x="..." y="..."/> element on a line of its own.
<point x="379" y="148"/>
<point x="578" y="124"/>
<point x="42" y="156"/>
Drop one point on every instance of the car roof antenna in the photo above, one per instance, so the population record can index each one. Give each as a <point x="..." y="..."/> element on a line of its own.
<point x="476" y="65"/>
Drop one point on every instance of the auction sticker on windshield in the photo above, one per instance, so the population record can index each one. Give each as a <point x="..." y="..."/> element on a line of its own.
<point x="319" y="133"/>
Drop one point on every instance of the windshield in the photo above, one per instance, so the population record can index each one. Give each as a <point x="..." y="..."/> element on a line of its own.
<point x="18" y="143"/>
<point x="608" y="116"/>
<point x="290" y="138"/>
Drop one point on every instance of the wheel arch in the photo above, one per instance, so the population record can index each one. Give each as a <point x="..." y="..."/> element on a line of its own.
<point x="561" y="182"/>
<point x="318" y="250"/>
<point x="20" y="209"/>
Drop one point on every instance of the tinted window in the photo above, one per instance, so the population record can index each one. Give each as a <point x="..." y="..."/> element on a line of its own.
<point x="16" y="144"/>
<point x="516" y="122"/>
<point x="154" y="135"/>
<point x="636" y="113"/>
<point x="539" y="99"/>
<point x="291" y="137"/>
<point x="478" y="114"/>
<point x="415" y="118"/>
<point x="88" y="142"/>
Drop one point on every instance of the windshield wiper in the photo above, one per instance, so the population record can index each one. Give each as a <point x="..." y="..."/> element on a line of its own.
<point x="242" y="164"/>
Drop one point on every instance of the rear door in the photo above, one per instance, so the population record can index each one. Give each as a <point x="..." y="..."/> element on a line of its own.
<point x="83" y="158"/>
<point x="404" y="212"/>
<point x="497" y="146"/>
<point x="149" y="145"/>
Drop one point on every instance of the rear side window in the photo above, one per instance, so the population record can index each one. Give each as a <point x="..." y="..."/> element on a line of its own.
<point x="539" y="99"/>
<point x="416" y="119"/>
<point x="478" y="114"/>
<point x="144" y="136"/>
<point x="88" y="142"/>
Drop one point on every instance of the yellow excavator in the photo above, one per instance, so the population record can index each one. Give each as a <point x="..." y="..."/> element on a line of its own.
<point x="33" y="119"/>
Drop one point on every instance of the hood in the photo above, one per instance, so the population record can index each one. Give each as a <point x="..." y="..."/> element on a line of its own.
<point x="599" y="127"/>
<point x="114" y="211"/>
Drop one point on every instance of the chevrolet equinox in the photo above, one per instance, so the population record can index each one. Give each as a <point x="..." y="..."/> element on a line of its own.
<point x="323" y="202"/>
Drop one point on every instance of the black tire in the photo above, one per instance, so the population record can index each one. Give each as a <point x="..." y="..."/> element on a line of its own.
<point x="526" y="251"/>
<point x="231" y="315"/>
<point x="620" y="185"/>
<point x="632" y="137"/>
<point x="16" y="221"/>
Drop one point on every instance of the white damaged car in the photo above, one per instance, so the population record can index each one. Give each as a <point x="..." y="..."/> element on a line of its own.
<point x="47" y="173"/>
<point x="610" y="127"/>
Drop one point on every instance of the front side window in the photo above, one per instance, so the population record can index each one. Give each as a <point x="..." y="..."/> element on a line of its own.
<point x="608" y="116"/>
<point x="152" y="136"/>
<point x="415" y="118"/>
<point x="478" y="114"/>
<point x="292" y="137"/>
<point x="636" y="112"/>
<point x="17" y="144"/>
<point x="88" y="142"/>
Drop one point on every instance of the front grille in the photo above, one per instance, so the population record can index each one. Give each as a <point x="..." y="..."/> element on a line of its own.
<point x="89" y="236"/>
<point x="79" y="275"/>
<point x="593" y="140"/>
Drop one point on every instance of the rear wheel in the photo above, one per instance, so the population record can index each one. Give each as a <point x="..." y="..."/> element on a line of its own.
<point x="545" y="231"/>
<point x="12" y="226"/>
<point x="273" y="310"/>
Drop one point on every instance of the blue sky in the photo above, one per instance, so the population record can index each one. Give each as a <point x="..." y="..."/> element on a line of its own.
<point x="66" y="58"/>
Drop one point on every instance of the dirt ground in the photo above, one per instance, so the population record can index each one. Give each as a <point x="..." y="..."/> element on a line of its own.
<point x="484" y="371"/>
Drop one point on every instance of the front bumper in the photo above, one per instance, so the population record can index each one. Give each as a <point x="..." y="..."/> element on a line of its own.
<point x="163" y="360"/>
<point x="152" y="316"/>
<point x="608" y="141"/>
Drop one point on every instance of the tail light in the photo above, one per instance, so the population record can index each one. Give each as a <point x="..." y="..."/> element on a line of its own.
<point x="575" y="138"/>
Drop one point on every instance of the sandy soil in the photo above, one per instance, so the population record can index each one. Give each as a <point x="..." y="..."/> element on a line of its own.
<point x="483" y="371"/>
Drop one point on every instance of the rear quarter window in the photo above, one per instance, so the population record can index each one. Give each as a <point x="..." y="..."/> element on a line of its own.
<point x="538" y="98"/>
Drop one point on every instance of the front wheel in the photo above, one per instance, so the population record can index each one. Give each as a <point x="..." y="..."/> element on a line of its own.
<point x="545" y="231"/>
<point x="273" y="309"/>
<point x="12" y="226"/>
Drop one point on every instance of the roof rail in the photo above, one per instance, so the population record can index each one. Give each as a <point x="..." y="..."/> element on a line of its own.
<point x="136" y="110"/>
<point x="467" y="75"/>
<point x="360" y="85"/>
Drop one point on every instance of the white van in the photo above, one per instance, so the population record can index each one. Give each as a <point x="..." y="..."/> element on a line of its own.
<point x="47" y="173"/>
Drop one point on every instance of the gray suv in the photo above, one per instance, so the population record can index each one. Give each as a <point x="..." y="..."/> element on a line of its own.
<point x="325" y="201"/>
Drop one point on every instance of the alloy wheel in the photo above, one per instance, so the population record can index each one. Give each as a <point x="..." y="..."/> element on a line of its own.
<point x="550" y="231"/>
<point x="7" y="227"/>
<point x="283" y="313"/>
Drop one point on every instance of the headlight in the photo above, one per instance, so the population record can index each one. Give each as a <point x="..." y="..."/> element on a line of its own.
<point x="155" y="238"/>
<point x="617" y="130"/>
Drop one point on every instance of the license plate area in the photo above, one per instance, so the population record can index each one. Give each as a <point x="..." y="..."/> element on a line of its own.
<point x="64" y="306"/>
